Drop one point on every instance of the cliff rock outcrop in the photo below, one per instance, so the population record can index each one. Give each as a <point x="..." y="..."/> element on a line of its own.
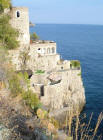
<point x="57" y="82"/>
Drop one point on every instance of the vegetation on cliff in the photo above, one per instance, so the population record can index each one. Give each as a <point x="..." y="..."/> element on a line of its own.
<point x="8" y="40"/>
<point x="40" y="72"/>
<point x="75" y="64"/>
<point x="8" y="35"/>
<point x="4" y="4"/>
<point x="17" y="84"/>
<point x="24" y="57"/>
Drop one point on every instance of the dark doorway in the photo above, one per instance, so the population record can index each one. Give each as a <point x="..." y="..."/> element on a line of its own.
<point x="42" y="91"/>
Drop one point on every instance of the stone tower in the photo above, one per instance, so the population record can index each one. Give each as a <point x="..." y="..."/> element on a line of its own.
<point x="20" y="21"/>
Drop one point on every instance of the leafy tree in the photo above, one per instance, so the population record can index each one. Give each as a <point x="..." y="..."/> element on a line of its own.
<point x="4" y="4"/>
<point x="8" y="35"/>
<point x="34" y="36"/>
<point x="31" y="99"/>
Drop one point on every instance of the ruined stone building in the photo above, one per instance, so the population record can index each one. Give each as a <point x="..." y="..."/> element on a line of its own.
<point x="57" y="84"/>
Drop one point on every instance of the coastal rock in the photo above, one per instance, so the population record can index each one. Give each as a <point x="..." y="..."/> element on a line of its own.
<point x="31" y="24"/>
<point x="57" y="82"/>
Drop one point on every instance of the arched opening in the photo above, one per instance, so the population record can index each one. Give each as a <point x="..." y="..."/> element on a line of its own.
<point x="44" y="51"/>
<point x="48" y="50"/>
<point x="18" y="14"/>
<point x="53" y="50"/>
<point x="70" y="65"/>
<point x="39" y="49"/>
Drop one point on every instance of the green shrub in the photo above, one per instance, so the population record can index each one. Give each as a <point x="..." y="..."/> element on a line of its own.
<point x="79" y="74"/>
<point x="39" y="72"/>
<point x="42" y="114"/>
<point x="54" y="122"/>
<point x="16" y="89"/>
<point x="34" y="36"/>
<point x="14" y="84"/>
<point x="31" y="99"/>
<point x="8" y="35"/>
<point x="75" y="64"/>
<point x="4" y="4"/>
<point x="24" y="76"/>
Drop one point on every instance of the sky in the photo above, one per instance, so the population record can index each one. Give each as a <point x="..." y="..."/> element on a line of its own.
<point x="64" y="11"/>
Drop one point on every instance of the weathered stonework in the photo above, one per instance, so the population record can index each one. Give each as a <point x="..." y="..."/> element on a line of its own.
<point x="43" y="48"/>
<point x="59" y="87"/>
<point x="20" y="21"/>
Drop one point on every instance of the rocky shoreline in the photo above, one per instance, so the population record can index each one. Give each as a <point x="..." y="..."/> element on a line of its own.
<point x="31" y="24"/>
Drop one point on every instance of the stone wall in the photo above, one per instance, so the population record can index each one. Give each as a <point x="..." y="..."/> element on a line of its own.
<point x="68" y="93"/>
<point x="39" y="79"/>
<point x="65" y="89"/>
<point x="20" y="21"/>
<point x="36" y="60"/>
<point x="46" y="48"/>
<point x="65" y="65"/>
<point x="46" y="63"/>
<point x="16" y="56"/>
<point x="53" y="96"/>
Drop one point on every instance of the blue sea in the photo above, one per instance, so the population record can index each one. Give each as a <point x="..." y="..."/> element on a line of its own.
<point x="84" y="43"/>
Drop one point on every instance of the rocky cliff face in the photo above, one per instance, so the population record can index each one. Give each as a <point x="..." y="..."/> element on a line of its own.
<point x="59" y="87"/>
<point x="67" y="95"/>
<point x="75" y="97"/>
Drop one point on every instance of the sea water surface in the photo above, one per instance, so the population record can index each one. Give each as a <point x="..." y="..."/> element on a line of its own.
<point x="84" y="43"/>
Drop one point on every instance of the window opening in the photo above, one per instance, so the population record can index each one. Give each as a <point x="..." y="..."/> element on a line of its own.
<point x="18" y="14"/>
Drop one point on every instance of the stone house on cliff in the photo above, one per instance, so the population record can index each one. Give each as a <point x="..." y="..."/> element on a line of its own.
<point x="57" y="85"/>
